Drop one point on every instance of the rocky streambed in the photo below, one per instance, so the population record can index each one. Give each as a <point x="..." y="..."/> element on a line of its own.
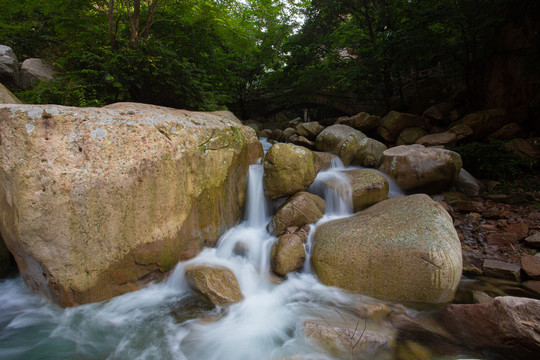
<point x="328" y="263"/>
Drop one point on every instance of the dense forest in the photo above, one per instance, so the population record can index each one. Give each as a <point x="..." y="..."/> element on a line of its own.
<point x="205" y="55"/>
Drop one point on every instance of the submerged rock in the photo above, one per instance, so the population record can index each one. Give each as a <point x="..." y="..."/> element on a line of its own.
<point x="402" y="248"/>
<point x="288" y="254"/>
<point x="416" y="168"/>
<point x="96" y="202"/>
<point x="339" y="340"/>
<point x="288" y="169"/>
<point x="217" y="284"/>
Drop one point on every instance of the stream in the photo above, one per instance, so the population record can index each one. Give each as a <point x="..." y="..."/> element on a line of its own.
<point x="168" y="320"/>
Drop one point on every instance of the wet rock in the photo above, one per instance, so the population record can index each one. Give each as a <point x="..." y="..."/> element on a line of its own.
<point x="368" y="187"/>
<point x="395" y="122"/>
<point x="445" y="138"/>
<point x="410" y="136"/>
<point x="533" y="240"/>
<point x="35" y="70"/>
<point x="363" y="121"/>
<point x="106" y="202"/>
<point x="339" y="340"/>
<point x="531" y="266"/>
<point x="287" y="255"/>
<point x="416" y="168"/>
<point x="309" y="130"/>
<point x="376" y="251"/>
<point x="369" y="153"/>
<point x="241" y="249"/>
<point x="507" y="326"/>
<point x="288" y="169"/>
<point x="422" y="327"/>
<point x="325" y="159"/>
<point x="300" y="209"/>
<point x="468" y="184"/>
<point x="502" y="270"/>
<point x="217" y="284"/>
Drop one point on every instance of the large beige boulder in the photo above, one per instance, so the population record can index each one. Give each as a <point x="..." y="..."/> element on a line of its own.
<point x="369" y="153"/>
<point x="300" y="209"/>
<point x="395" y="122"/>
<point x="368" y="187"/>
<point x="362" y="121"/>
<point x="485" y="122"/>
<point x="288" y="254"/>
<point x="416" y="168"/>
<point x="288" y="169"/>
<point x="402" y="249"/>
<point x="94" y="202"/>
<point x="217" y="284"/>
<point x="7" y="97"/>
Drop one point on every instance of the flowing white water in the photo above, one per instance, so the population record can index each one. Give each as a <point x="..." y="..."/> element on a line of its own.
<point x="167" y="320"/>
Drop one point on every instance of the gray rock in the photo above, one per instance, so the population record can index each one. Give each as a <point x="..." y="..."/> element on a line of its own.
<point x="533" y="240"/>
<point x="9" y="67"/>
<point x="468" y="184"/>
<point x="502" y="270"/>
<point x="35" y="70"/>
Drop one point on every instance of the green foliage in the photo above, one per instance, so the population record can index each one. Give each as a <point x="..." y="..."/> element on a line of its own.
<point x="492" y="160"/>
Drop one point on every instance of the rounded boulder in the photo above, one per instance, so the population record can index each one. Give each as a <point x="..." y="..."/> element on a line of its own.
<point x="402" y="249"/>
<point x="416" y="168"/>
<point x="288" y="169"/>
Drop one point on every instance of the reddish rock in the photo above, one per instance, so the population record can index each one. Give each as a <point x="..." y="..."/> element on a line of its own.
<point x="502" y="238"/>
<point x="520" y="229"/>
<point x="507" y="326"/>
<point x="531" y="266"/>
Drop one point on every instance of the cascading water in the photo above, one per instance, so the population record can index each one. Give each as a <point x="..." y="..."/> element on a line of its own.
<point x="166" y="321"/>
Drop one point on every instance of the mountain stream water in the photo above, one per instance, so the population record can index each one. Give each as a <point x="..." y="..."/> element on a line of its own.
<point x="167" y="320"/>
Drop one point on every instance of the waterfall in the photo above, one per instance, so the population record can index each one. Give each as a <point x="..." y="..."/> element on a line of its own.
<point x="257" y="206"/>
